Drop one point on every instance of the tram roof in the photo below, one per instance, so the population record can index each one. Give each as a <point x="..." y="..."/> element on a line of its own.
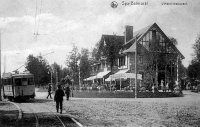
<point x="9" y="75"/>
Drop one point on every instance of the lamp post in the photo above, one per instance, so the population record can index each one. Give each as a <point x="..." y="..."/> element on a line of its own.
<point x="51" y="71"/>
<point x="79" y="74"/>
<point x="51" y="77"/>
<point x="72" y="87"/>
<point x="56" y="77"/>
<point x="50" y="68"/>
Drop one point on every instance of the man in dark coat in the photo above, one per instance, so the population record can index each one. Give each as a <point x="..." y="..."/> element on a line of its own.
<point x="67" y="91"/>
<point x="67" y="88"/>
<point x="49" y="91"/>
<point x="59" y="98"/>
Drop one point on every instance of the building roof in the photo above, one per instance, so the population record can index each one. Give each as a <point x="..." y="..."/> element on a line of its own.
<point x="109" y="38"/>
<point x="138" y="34"/>
<point x="9" y="75"/>
<point x="130" y="46"/>
<point x="113" y="42"/>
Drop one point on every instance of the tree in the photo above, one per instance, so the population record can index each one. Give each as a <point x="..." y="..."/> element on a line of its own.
<point x="193" y="70"/>
<point x="194" y="67"/>
<point x="85" y="64"/>
<point x="39" y="68"/>
<point x="110" y="50"/>
<point x="72" y="63"/>
<point x="95" y="54"/>
<point x="56" y="72"/>
<point x="196" y="48"/>
<point x="65" y="72"/>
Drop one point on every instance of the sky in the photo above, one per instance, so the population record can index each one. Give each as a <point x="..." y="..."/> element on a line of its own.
<point x="62" y="23"/>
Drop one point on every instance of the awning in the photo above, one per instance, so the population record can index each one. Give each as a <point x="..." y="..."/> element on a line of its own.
<point x="119" y="74"/>
<point x="125" y="75"/>
<point x="109" y="79"/>
<point x="133" y="75"/>
<point x="90" y="78"/>
<point x="102" y="74"/>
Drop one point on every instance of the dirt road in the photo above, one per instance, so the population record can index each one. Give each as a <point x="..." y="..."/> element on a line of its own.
<point x="33" y="113"/>
<point x="141" y="112"/>
<point x="112" y="112"/>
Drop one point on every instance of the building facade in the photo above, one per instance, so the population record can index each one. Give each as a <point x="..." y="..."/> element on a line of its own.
<point x="156" y="56"/>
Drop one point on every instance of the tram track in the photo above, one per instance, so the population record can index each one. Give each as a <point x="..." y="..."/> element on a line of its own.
<point x="57" y="118"/>
<point x="28" y="117"/>
<point x="24" y="118"/>
<point x="70" y="120"/>
<point x="19" y="109"/>
<point x="40" y="113"/>
<point x="36" y="117"/>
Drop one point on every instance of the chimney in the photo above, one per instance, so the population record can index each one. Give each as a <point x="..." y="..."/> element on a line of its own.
<point x="128" y="33"/>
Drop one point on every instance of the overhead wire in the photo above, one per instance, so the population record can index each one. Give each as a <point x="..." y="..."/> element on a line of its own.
<point x="40" y="12"/>
<point x="36" y="8"/>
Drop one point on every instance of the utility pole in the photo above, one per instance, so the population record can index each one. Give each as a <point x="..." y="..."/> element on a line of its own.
<point x="0" y="69"/>
<point x="79" y="77"/>
<point x="51" y="76"/>
<point x="56" y="77"/>
<point x="135" y="66"/>
<point x="177" y="69"/>
<point x="5" y="64"/>
<point x="79" y="74"/>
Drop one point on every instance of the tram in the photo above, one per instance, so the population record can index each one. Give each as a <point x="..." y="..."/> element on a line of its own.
<point x="18" y="86"/>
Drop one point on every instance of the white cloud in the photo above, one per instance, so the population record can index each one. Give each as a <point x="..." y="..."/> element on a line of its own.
<point x="83" y="24"/>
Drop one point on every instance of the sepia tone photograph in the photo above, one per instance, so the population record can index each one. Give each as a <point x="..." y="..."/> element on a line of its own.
<point x="99" y="63"/>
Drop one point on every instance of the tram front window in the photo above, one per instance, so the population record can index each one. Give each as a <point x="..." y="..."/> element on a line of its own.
<point x="18" y="82"/>
<point x="30" y="81"/>
<point x="24" y="81"/>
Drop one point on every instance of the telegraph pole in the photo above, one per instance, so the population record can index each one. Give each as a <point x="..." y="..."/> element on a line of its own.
<point x="56" y="77"/>
<point x="5" y="64"/>
<point x="177" y="69"/>
<point x="0" y="69"/>
<point x="135" y="66"/>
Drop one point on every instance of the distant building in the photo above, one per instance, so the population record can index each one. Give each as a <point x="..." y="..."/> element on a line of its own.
<point x="157" y="58"/>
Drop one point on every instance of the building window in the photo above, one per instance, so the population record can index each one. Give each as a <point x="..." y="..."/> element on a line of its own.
<point x="121" y="60"/>
<point x="140" y="59"/>
<point x="145" y="41"/>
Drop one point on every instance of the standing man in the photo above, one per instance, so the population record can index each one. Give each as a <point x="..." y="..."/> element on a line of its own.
<point x="59" y="98"/>
<point x="49" y="91"/>
<point x="67" y="91"/>
<point x="67" y="88"/>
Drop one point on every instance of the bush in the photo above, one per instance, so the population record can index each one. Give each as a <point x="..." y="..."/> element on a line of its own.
<point x="124" y="94"/>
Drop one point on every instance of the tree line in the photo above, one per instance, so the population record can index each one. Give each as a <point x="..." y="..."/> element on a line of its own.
<point x="76" y="64"/>
<point x="194" y="66"/>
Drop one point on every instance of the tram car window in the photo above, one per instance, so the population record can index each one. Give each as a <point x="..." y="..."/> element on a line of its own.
<point x="30" y="81"/>
<point x="18" y="82"/>
<point x="24" y="81"/>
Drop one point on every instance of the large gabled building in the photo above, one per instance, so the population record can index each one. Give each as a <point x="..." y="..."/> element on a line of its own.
<point x="157" y="57"/>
